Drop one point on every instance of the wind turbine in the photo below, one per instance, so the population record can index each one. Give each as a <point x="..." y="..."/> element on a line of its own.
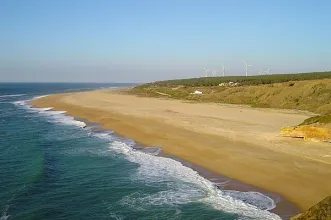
<point x="223" y="70"/>
<point x="268" y="71"/>
<point x="206" y="71"/>
<point x="260" y="72"/>
<point x="246" y="67"/>
<point x="214" y="72"/>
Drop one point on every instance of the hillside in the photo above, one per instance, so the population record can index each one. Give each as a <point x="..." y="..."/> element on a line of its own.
<point x="307" y="92"/>
<point x="320" y="211"/>
<point x="243" y="80"/>
<point x="310" y="95"/>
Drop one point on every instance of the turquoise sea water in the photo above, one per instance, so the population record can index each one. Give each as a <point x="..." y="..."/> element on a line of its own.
<point x="53" y="168"/>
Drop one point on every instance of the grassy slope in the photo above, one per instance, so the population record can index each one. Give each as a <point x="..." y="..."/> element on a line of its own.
<point x="311" y="95"/>
<point x="321" y="211"/>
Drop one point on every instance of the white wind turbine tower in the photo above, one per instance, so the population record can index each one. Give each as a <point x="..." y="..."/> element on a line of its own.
<point x="206" y="71"/>
<point x="214" y="72"/>
<point x="246" y="67"/>
<point x="268" y="71"/>
<point x="223" y="70"/>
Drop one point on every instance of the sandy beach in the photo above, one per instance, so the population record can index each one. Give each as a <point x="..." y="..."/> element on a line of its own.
<point x="239" y="142"/>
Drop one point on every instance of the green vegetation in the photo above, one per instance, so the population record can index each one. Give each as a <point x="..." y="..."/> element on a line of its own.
<point x="306" y="91"/>
<point x="320" y="211"/>
<point x="319" y="119"/>
<point x="250" y="80"/>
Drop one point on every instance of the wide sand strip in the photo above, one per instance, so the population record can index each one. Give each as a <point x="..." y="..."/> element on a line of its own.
<point x="237" y="141"/>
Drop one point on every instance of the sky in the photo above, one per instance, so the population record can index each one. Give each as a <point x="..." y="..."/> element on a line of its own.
<point x="141" y="41"/>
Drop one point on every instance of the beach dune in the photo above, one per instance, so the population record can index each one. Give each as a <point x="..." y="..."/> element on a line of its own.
<point x="240" y="142"/>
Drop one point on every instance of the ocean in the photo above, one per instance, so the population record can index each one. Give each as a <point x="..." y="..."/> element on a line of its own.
<point x="53" y="166"/>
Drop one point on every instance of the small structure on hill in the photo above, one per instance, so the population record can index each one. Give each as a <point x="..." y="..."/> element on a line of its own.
<point x="229" y="84"/>
<point x="197" y="92"/>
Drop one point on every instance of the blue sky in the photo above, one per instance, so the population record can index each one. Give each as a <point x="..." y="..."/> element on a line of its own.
<point x="139" y="41"/>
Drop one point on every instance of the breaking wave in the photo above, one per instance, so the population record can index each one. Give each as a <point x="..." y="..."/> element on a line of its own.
<point x="4" y="215"/>
<point x="52" y="116"/>
<point x="13" y="95"/>
<point x="184" y="185"/>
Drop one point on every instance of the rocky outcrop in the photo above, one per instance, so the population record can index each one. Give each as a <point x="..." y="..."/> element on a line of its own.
<point x="321" y="211"/>
<point x="308" y="132"/>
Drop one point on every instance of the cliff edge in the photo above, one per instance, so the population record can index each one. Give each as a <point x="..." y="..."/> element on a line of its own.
<point x="308" y="132"/>
<point x="320" y="211"/>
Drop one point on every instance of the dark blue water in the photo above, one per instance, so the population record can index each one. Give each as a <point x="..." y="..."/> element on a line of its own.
<point x="53" y="168"/>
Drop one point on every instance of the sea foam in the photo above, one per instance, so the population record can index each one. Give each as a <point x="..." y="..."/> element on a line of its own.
<point x="51" y="115"/>
<point x="60" y="117"/>
<point x="4" y="215"/>
<point x="13" y="95"/>
<point x="184" y="185"/>
<point x="39" y="97"/>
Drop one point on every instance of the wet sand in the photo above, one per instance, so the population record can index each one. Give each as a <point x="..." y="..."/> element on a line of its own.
<point x="238" y="142"/>
<point x="284" y="208"/>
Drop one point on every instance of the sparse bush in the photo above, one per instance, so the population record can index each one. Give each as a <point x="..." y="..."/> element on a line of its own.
<point x="322" y="119"/>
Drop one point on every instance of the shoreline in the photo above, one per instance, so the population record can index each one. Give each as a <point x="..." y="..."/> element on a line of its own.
<point x="283" y="208"/>
<point x="249" y="150"/>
